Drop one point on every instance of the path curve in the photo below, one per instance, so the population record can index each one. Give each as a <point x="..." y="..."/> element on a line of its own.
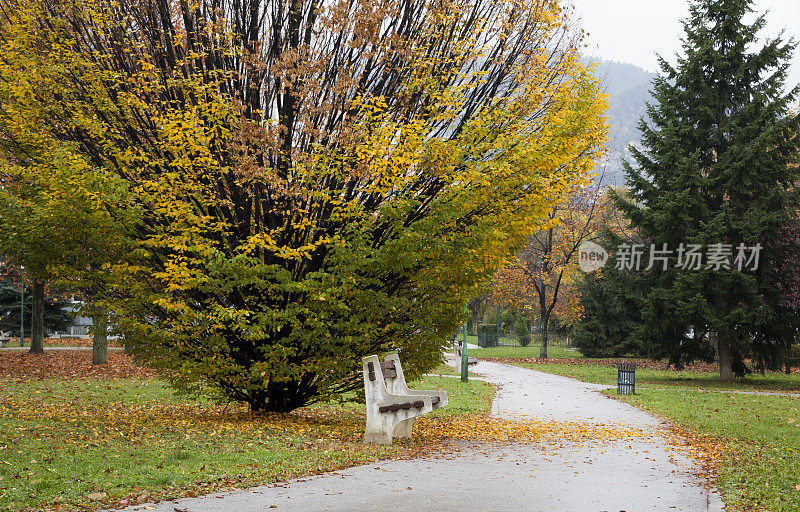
<point x="624" y="475"/>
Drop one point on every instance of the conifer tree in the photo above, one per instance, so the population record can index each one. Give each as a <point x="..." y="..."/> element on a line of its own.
<point x="611" y="314"/>
<point x="54" y="314"/>
<point x="716" y="169"/>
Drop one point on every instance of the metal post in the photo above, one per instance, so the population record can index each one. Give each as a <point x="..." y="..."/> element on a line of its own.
<point x="498" y="325"/>
<point x="464" y="358"/>
<point x="22" y="315"/>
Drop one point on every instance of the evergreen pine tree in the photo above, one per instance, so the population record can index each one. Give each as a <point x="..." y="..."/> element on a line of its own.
<point x="55" y="315"/>
<point x="715" y="169"/>
<point x="611" y="314"/>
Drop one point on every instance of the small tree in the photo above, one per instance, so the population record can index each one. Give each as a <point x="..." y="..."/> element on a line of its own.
<point x="54" y="222"/>
<point x="20" y="238"/>
<point x="535" y="279"/>
<point x="54" y="314"/>
<point x="783" y="284"/>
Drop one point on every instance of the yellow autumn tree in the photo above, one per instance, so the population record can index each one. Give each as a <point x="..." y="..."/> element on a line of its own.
<point x="313" y="181"/>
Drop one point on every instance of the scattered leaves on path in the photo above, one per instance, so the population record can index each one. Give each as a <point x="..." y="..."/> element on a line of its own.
<point x="487" y="429"/>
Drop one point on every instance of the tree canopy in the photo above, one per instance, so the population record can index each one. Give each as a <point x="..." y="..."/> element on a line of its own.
<point x="311" y="181"/>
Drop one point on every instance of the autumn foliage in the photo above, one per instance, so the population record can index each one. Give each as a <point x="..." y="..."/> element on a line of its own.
<point x="309" y="182"/>
<point x="541" y="281"/>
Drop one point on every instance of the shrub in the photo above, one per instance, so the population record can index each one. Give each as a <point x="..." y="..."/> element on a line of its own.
<point x="487" y="335"/>
<point x="523" y="333"/>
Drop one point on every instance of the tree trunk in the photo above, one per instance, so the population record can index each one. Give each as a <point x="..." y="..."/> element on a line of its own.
<point x="543" y="350"/>
<point x="37" y="318"/>
<point x="724" y="351"/>
<point x="100" y="338"/>
<point x="22" y="314"/>
<point x="279" y="397"/>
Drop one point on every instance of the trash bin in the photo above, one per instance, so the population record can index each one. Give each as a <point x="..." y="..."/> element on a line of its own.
<point x="626" y="378"/>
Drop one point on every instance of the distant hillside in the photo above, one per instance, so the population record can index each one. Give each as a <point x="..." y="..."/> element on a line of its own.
<point x="628" y="87"/>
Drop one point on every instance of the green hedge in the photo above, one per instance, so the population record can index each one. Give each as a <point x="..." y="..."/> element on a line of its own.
<point x="487" y="335"/>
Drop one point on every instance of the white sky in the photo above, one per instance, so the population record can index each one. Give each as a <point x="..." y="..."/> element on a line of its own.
<point x="634" y="31"/>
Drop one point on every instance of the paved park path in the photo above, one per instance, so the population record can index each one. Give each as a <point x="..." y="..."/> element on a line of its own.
<point x="632" y="475"/>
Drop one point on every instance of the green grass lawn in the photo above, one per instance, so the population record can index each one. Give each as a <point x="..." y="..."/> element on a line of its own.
<point x="761" y="470"/>
<point x="79" y="445"/>
<point x="558" y="352"/>
<point x="649" y="378"/>
<point x="444" y="369"/>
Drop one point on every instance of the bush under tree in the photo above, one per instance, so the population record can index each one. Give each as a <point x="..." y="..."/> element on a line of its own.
<point x="487" y="335"/>
<point x="523" y="331"/>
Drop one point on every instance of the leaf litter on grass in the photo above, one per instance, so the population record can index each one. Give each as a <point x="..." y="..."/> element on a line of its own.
<point x="704" y="451"/>
<point x="69" y="364"/>
<point x="160" y="427"/>
<point x="71" y="422"/>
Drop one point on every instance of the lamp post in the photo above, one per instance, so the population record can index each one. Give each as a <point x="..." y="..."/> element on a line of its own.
<point x="497" y="341"/>
<point x="464" y="358"/>
<point x="22" y="309"/>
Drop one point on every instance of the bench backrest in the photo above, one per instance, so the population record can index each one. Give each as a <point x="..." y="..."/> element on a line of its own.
<point x="388" y="369"/>
<point x="390" y="379"/>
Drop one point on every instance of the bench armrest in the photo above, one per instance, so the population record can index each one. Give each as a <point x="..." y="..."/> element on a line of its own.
<point x="400" y="386"/>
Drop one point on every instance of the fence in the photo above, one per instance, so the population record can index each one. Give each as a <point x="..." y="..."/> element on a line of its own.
<point x="554" y="339"/>
<point x="508" y="338"/>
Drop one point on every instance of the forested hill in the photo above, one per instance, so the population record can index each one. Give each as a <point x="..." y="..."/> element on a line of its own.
<point x="628" y="87"/>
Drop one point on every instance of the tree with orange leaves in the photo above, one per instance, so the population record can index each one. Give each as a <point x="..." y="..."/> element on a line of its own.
<point x="541" y="280"/>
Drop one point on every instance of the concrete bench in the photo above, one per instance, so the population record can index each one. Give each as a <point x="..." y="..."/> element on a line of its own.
<point x="457" y="347"/>
<point x="391" y="405"/>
